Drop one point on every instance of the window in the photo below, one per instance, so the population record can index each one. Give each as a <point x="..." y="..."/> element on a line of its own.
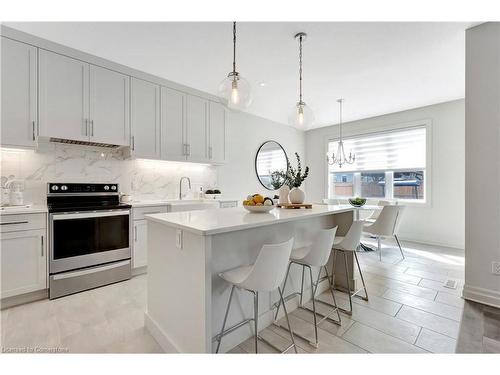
<point x="388" y="165"/>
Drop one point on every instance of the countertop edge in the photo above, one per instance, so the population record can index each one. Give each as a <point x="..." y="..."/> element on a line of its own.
<point x="240" y="226"/>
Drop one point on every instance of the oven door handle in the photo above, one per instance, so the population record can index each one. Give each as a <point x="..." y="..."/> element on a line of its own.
<point x="84" y="215"/>
<point x="68" y="275"/>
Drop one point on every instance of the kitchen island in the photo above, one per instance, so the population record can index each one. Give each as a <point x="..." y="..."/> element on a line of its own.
<point x="187" y="251"/>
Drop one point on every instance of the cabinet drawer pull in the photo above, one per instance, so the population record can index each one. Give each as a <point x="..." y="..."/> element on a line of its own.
<point x="92" y="128"/>
<point x="33" y="123"/>
<point x="188" y="149"/>
<point x="42" y="246"/>
<point x="133" y="143"/>
<point x="135" y="233"/>
<point x="15" y="222"/>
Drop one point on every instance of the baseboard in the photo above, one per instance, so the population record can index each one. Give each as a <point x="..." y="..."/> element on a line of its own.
<point x="139" y="271"/>
<point x="5" y="303"/>
<point x="485" y="296"/>
<point x="161" y="337"/>
<point x="432" y="243"/>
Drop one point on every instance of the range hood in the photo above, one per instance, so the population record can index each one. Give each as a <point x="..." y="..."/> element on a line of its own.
<point x="85" y="143"/>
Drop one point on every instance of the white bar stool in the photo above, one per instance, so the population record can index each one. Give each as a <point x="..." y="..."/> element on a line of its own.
<point x="342" y="245"/>
<point x="314" y="255"/>
<point x="265" y="275"/>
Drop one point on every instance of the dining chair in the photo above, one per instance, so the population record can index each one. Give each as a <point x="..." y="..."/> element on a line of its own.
<point x="386" y="225"/>
<point x="375" y="214"/>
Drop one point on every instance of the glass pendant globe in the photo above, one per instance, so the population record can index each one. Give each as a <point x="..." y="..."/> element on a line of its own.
<point x="302" y="116"/>
<point x="235" y="90"/>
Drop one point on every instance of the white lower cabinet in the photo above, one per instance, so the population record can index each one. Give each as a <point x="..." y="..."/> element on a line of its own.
<point x="24" y="262"/>
<point x="140" y="256"/>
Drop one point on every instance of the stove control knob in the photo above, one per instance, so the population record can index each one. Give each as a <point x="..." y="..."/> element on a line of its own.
<point x="55" y="187"/>
<point x="113" y="187"/>
<point x="64" y="187"/>
<point x="106" y="187"/>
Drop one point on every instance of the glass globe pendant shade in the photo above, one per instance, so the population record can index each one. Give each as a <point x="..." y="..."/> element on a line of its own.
<point x="302" y="116"/>
<point x="235" y="90"/>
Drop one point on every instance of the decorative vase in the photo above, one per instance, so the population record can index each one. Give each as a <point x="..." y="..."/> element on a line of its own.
<point x="296" y="196"/>
<point x="284" y="190"/>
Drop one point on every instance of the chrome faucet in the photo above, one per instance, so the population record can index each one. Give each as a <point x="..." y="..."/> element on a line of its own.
<point x="180" y="186"/>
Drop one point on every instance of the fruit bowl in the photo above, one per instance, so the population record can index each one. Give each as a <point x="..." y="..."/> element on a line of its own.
<point x="357" y="202"/>
<point x="258" y="208"/>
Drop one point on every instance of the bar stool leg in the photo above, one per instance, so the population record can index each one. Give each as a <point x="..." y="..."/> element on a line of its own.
<point x="256" y="319"/>
<point x="225" y="319"/>
<point x="348" y="283"/>
<point x="287" y="320"/>
<point x="314" y="307"/>
<point x="301" y="287"/>
<point x="284" y="286"/>
<point x="362" y="278"/>
<point x="333" y="296"/>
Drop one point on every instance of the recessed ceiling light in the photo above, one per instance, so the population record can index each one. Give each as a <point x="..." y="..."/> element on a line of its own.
<point x="262" y="84"/>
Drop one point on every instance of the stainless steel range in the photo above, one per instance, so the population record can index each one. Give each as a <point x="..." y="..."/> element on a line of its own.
<point x="89" y="237"/>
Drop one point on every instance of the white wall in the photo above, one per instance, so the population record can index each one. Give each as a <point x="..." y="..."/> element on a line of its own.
<point x="482" y="130"/>
<point x="245" y="134"/>
<point x="442" y="220"/>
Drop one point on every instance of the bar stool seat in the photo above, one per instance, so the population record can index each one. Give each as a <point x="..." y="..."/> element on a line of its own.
<point x="265" y="275"/>
<point x="300" y="252"/>
<point x="236" y="276"/>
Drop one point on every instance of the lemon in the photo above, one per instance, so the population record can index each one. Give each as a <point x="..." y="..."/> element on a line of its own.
<point x="258" y="199"/>
<point x="251" y="203"/>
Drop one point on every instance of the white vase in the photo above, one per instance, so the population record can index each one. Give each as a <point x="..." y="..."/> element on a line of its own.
<point x="284" y="190"/>
<point x="296" y="196"/>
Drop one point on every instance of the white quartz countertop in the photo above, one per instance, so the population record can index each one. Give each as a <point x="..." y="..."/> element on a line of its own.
<point x="224" y="220"/>
<point x="151" y="203"/>
<point x="22" y="210"/>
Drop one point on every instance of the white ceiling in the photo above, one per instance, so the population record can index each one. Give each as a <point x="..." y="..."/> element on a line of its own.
<point x="377" y="67"/>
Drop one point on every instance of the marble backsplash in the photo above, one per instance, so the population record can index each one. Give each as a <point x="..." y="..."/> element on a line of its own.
<point x="142" y="178"/>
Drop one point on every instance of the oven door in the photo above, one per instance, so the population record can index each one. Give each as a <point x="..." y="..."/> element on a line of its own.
<point x="83" y="239"/>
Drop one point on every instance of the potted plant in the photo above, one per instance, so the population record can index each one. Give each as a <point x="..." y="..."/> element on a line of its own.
<point x="294" y="180"/>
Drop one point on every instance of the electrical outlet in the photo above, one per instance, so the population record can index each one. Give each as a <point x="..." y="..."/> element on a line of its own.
<point x="178" y="238"/>
<point x="495" y="268"/>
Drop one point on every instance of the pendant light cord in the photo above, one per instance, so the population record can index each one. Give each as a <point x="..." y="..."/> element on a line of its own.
<point x="300" y="69"/>
<point x="234" y="47"/>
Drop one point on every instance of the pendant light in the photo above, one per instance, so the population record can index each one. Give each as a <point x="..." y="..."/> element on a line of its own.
<point x="234" y="89"/>
<point x="301" y="116"/>
<point x="339" y="157"/>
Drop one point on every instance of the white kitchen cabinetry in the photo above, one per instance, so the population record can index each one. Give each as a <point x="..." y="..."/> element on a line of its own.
<point x="23" y="254"/>
<point x="145" y="119"/>
<point x="109" y="106"/>
<point x="19" y="97"/>
<point x="173" y="144"/>
<point x="217" y="133"/>
<point x="83" y="102"/>
<point x="63" y="97"/>
<point x="140" y="234"/>
<point x="196" y="128"/>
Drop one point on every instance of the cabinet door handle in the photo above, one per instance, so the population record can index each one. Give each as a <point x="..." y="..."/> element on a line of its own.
<point x="188" y="147"/>
<point x="86" y="127"/>
<point x="210" y="152"/>
<point x="15" y="222"/>
<point x="33" y="124"/>
<point x="135" y="233"/>
<point x="42" y="245"/>
<point x="133" y="143"/>
<point x="92" y="128"/>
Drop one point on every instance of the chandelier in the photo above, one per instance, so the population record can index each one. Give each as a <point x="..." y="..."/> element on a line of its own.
<point x="339" y="157"/>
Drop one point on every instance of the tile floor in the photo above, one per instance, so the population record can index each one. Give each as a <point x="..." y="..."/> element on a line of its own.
<point x="409" y="311"/>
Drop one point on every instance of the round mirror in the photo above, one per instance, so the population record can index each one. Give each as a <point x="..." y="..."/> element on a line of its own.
<point x="271" y="164"/>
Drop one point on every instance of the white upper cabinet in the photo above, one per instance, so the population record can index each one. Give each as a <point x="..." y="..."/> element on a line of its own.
<point x="173" y="124"/>
<point x="196" y="128"/>
<point x="19" y="98"/>
<point x="63" y="97"/>
<point x="217" y="133"/>
<point x="145" y="119"/>
<point x="109" y="106"/>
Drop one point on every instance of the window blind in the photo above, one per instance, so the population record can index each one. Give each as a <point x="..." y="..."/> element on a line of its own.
<point x="394" y="150"/>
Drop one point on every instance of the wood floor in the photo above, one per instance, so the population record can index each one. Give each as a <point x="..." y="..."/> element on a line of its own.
<point x="409" y="311"/>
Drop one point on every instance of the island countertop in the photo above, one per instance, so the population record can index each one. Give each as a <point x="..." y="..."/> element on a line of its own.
<point x="209" y="222"/>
